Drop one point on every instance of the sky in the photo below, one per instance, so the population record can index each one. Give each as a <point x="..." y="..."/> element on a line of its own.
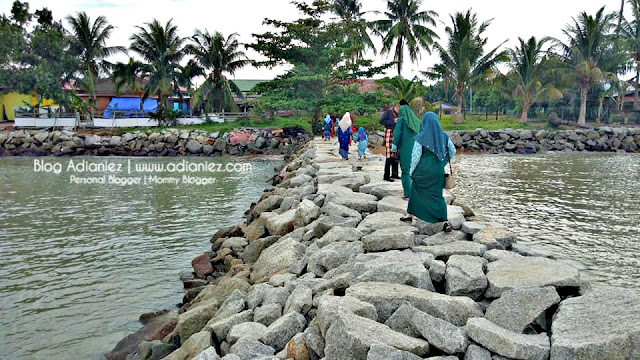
<point x="511" y="19"/>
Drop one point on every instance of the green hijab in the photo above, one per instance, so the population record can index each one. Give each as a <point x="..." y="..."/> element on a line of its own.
<point x="409" y="118"/>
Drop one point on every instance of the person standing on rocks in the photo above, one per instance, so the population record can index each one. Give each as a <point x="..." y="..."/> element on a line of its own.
<point x="344" y="135"/>
<point x="432" y="150"/>
<point x="363" y="143"/>
<point x="328" y="127"/>
<point x="407" y="127"/>
<point x="388" y="120"/>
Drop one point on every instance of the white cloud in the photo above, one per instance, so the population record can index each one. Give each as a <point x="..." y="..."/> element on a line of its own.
<point x="512" y="19"/>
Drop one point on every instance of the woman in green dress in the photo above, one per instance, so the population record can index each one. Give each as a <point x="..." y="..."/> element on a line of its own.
<point x="407" y="127"/>
<point x="430" y="154"/>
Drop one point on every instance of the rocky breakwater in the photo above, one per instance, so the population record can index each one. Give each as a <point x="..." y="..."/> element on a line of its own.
<point x="532" y="141"/>
<point x="323" y="269"/>
<point x="167" y="142"/>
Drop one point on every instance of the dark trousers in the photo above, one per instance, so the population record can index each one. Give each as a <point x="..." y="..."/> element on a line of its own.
<point x="390" y="166"/>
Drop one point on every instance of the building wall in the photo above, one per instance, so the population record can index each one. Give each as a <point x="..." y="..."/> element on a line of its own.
<point x="11" y="100"/>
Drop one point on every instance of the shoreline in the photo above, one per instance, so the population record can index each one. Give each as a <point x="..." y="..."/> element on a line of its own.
<point x="322" y="268"/>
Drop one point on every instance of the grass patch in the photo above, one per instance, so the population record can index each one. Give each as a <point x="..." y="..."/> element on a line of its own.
<point x="369" y="122"/>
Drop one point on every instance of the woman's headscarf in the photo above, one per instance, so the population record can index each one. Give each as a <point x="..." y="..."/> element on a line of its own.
<point x="409" y="118"/>
<point x="361" y="134"/>
<point x="327" y="119"/>
<point x="432" y="137"/>
<point x="345" y="122"/>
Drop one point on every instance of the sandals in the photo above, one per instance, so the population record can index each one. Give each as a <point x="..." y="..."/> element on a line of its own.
<point x="446" y="227"/>
<point x="408" y="219"/>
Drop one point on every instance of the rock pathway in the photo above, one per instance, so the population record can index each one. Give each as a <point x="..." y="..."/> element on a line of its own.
<point x="324" y="269"/>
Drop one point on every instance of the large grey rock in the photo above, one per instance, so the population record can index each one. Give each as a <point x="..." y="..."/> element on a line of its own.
<point x="333" y="255"/>
<point x="472" y="227"/>
<point x="196" y="344"/>
<point x="495" y="255"/>
<point x="326" y="223"/>
<point x="387" y="298"/>
<point x="283" y="329"/>
<point x="402" y="320"/>
<point x="465" y="276"/>
<point x="529" y="272"/>
<point x="208" y="354"/>
<point x="300" y="180"/>
<point x="354" y="181"/>
<point x="283" y="223"/>
<point x="406" y="268"/>
<point x="393" y="238"/>
<point x="441" y="334"/>
<point x="192" y="321"/>
<point x="350" y="337"/>
<point x="437" y="270"/>
<point x="383" y="189"/>
<point x="314" y="340"/>
<point x="330" y="208"/>
<point x="267" y="314"/>
<point x="339" y="233"/>
<point x="356" y="201"/>
<point x="330" y="306"/>
<point x="442" y="238"/>
<point x="221" y="328"/>
<point x="508" y="343"/>
<point x="248" y="349"/>
<point x="271" y="203"/>
<point x="384" y="352"/>
<point x="475" y="352"/>
<point x="236" y="244"/>
<point x="442" y="252"/>
<point x="306" y="212"/>
<point x="276" y="259"/>
<point x="299" y="301"/>
<point x="604" y="323"/>
<point x="252" y="330"/>
<point x="494" y="238"/>
<point x="393" y="203"/>
<point x="517" y="308"/>
<point x="380" y="220"/>
<point x="252" y="252"/>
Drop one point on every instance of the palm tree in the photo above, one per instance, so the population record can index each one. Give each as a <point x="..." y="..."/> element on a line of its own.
<point x="630" y="32"/>
<point x="406" y="26"/>
<point x="352" y="17"/>
<point x="525" y="71"/>
<point x="464" y="62"/>
<point x="217" y="55"/>
<point x="162" y="49"/>
<point x="127" y="75"/>
<point x="588" y="39"/>
<point x="88" y="41"/>
<point x="186" y="75"/>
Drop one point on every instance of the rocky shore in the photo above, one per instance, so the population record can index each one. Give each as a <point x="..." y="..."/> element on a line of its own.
<point x="167" y="142"/>
<point x="533" y="141"/>
<point x="322" y="268"/>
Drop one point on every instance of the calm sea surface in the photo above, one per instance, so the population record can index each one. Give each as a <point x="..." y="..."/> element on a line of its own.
<point x="582" y="206"/>
<point x="80" y="263"/>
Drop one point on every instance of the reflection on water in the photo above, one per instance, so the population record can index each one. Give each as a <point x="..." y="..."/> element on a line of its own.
<point x="80" y="263"/>
<point x="583" y="206"/>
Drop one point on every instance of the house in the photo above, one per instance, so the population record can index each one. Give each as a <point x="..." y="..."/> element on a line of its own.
<point x="11" y="100"/>
<point x="247" y="89"/>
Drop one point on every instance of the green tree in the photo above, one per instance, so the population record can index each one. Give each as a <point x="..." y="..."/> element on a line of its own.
<point x="20" y="12"/>
<point x="401" y="88"/>
<point x="161" y="49"/>
<point x="316" y="50"/>
<point x="525" y="74"/>
<point x="588" y="37"/>
<point x="88" y="42"/>
<point x="351" y="15"/>
<point x="127" y="76"/>
<point x="219" y="56"/>
<point x="630" y="34"/>
<point x="406" y="26"/>
<point x="463" y="61"/>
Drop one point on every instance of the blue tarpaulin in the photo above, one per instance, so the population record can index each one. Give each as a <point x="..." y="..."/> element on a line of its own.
<point x="129" y="107"/>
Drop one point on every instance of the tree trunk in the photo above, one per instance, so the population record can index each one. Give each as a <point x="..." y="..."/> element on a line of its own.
<point x="400" y="54"/>
<point x="525" y="114"/>
<point x="636" y="98"/>
<point x="582" y="119"/>
<point x="458" y="115"/>
<point x="600" y="101"/>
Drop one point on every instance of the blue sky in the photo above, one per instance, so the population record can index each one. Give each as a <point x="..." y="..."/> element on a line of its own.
<point x="512" y="19"/>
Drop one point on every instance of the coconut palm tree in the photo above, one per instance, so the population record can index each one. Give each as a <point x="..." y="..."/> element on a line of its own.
<point x="352" y="17"/>
<point x="525" y="70"/>
<point x="127" y="75"/>
<point x="186" y="75"/>
<point x="588" y="37"/>
<point x="630" y="33"/>
<point x="161" y="49"/>
<point x="406" y="26"/>
<point x="463" y="61"/>
<point x="88" y="41"/>
<point x="219" y="56"/>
